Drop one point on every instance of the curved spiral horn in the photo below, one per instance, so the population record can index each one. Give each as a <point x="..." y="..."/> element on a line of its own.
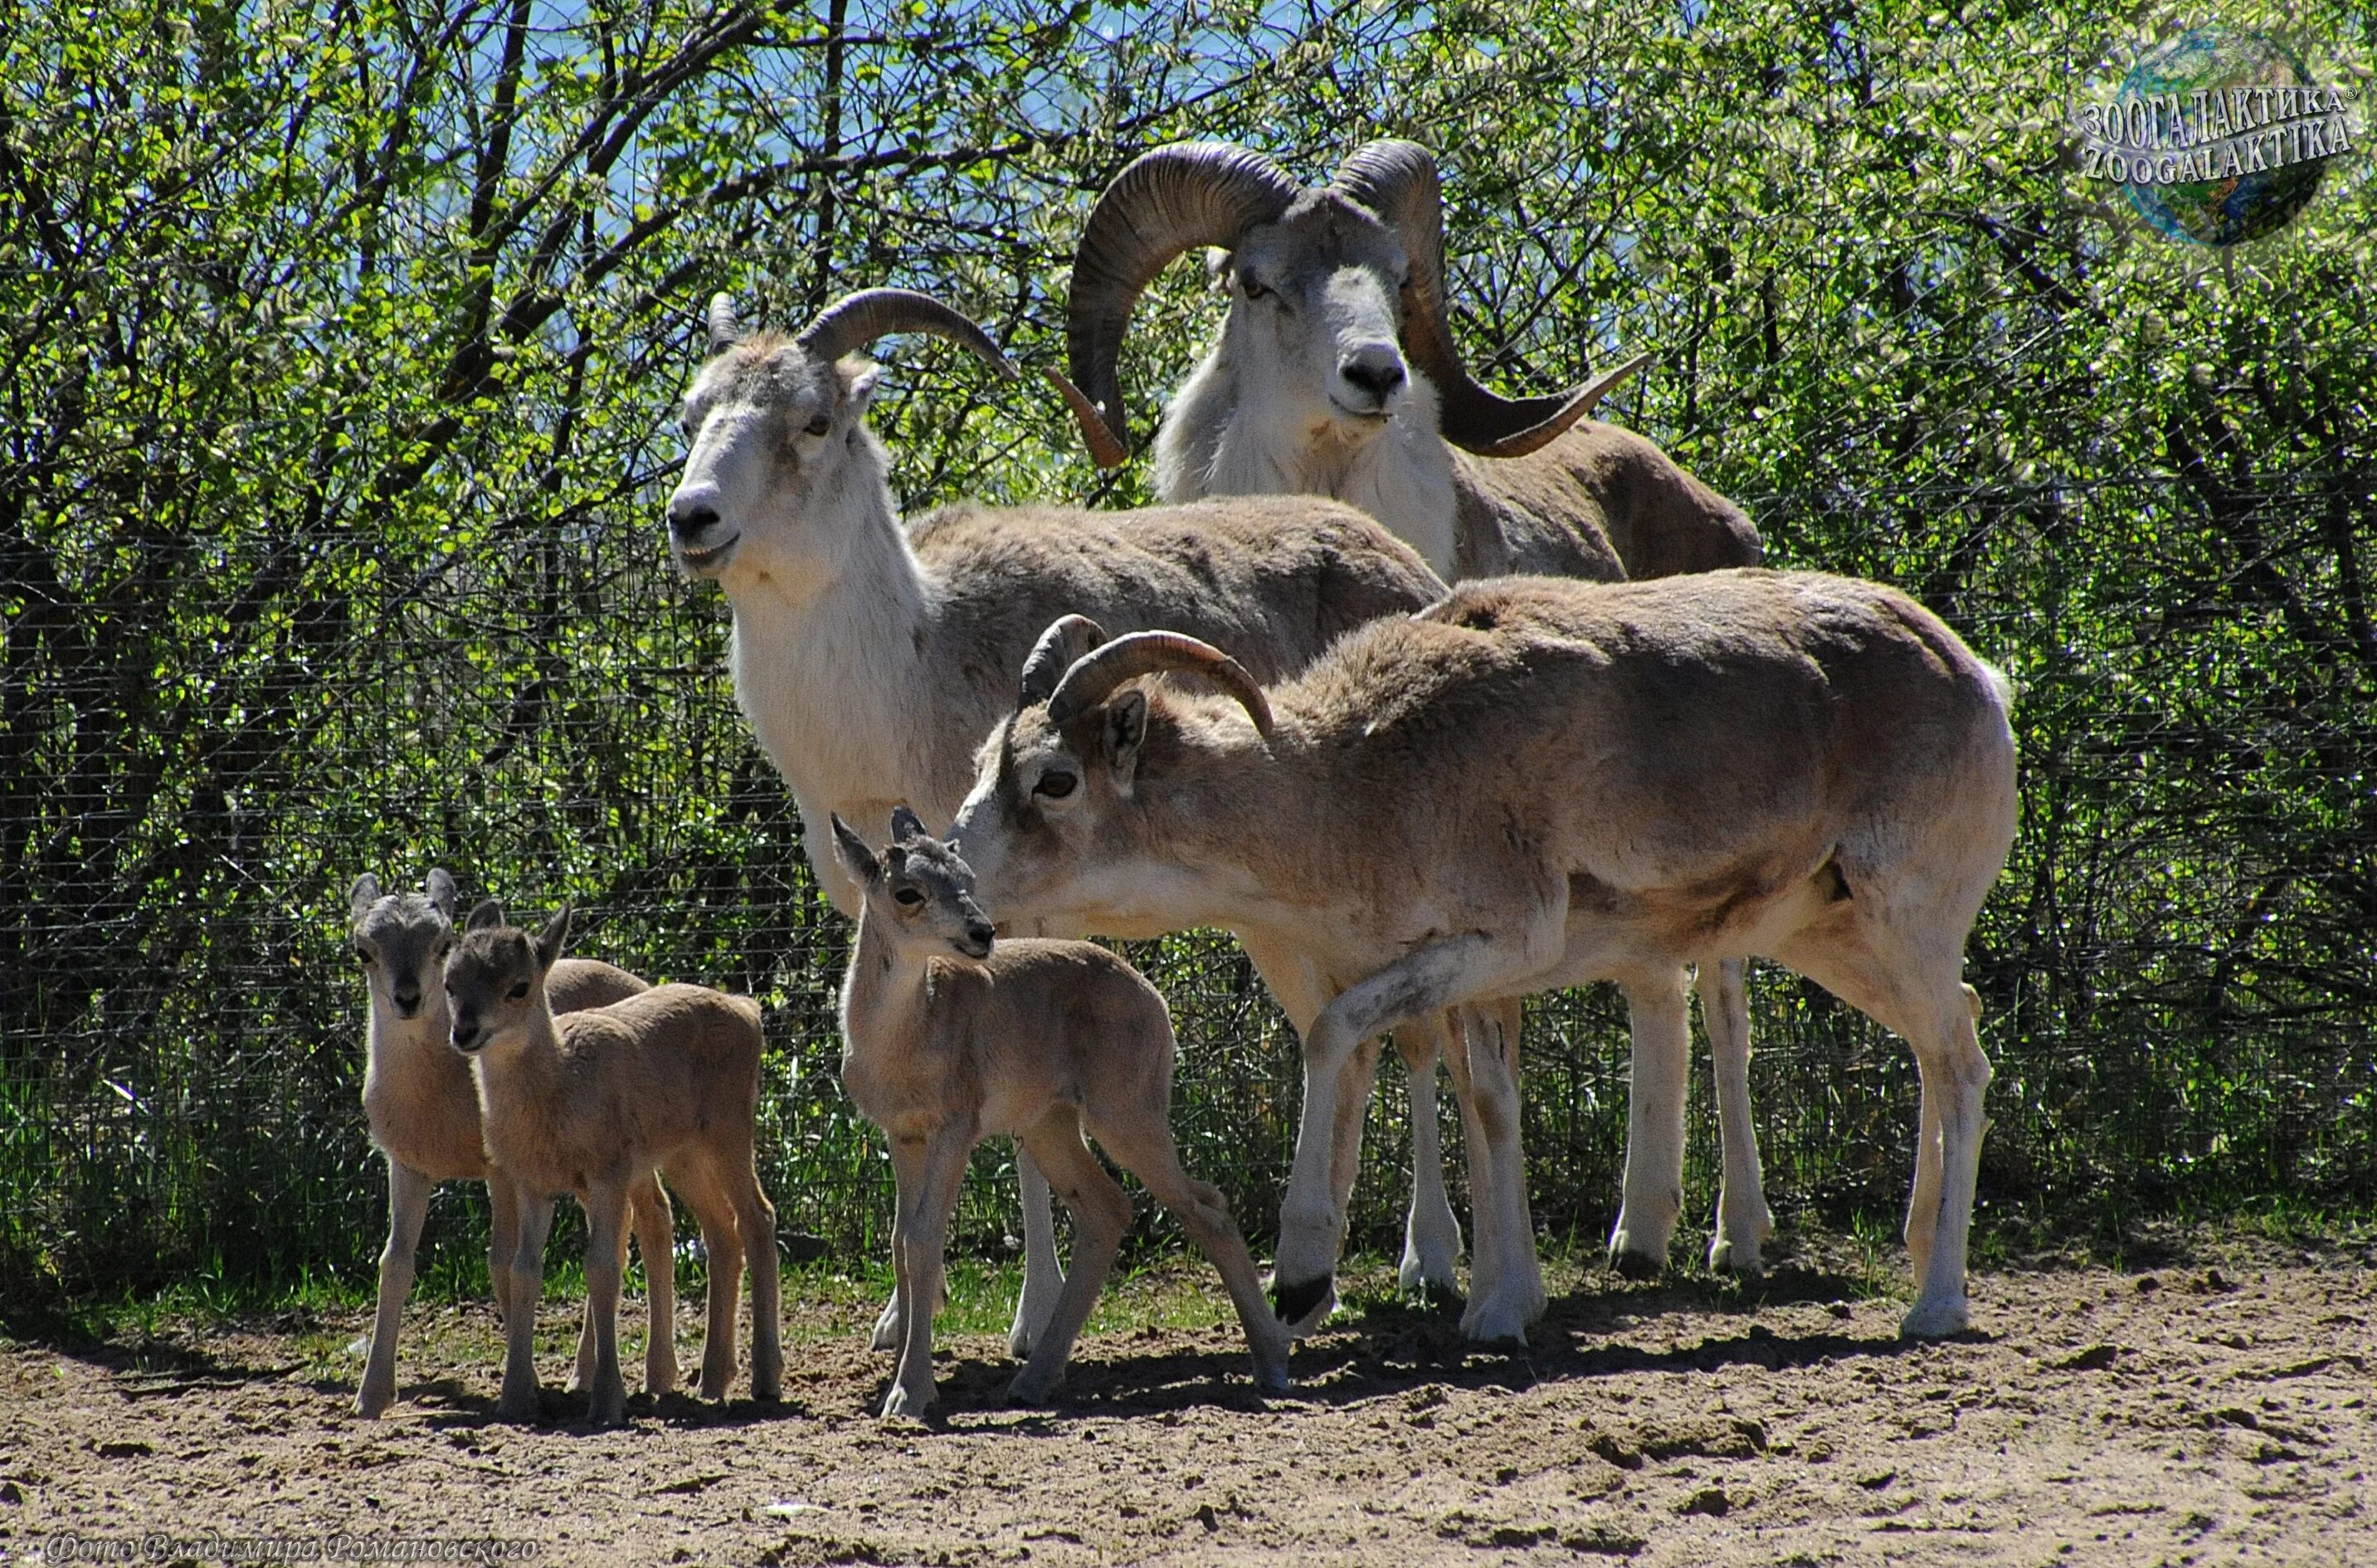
<point x="724" y="328"/>
<point x="1163" y="202"/>
<point x="855" y="320"/>
<point x="1095" y="675"/>
<point x="1397" y="180"/>
<point x="1067" y="639"/>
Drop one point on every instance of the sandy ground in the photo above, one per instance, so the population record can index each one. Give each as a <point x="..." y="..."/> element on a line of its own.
<point x="2216" y="1409"/>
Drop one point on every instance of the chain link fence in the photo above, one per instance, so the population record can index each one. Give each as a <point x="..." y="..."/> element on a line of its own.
<point x="330" y="521"/>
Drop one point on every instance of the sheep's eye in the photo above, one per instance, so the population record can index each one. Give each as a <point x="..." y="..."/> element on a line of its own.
<point x="363" y="954"/>
<point x="518" y="990"/>
<point x="1055" y="785"/>
<point x="908" y="896"/>
<point x="1254" y="290"/>
<point x="820" y="424"/>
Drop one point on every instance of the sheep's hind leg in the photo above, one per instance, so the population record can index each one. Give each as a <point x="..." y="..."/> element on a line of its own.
<point x="1101" y="1213"/>
<point x="1043" y="1276"/>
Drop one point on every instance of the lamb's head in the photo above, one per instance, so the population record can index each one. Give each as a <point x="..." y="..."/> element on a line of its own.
<point x="494" y="977"/>
<point x="1330" y="289"/>
<point x="401" y="938"/>
<point x="918" y="892"/>
<point x="1053" y="826"/>
<point x="778" y="445"/>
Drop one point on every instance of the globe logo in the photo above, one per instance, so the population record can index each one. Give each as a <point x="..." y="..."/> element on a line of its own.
<point x="2216" y="136"/>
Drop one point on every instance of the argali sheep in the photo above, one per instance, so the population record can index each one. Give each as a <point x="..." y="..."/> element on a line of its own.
<point x="1336" y="373"/>
<point x="947" y="1038"/>
<point x="871" y="657"/>
<point x="584" y="1103"/>
<point x="424" y="1114"/>
<point x="1535" y="783"/>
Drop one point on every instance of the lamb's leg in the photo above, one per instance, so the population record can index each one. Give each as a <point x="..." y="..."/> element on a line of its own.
<point x="1431" y="1234"/>
<point x="408" y="1205"/>
<point x="919" y="1241"/>
<point x="606" y="1245"/>
<point x="1429" y="978"/>
<point x="1486" y="1245"/>
<point x="1140" y="1139"/>
<point x="582" y="1375"/>
<point x="656" y="1239"/>
<point x="1101" y="1213"/>
<point x="755" y="1222"/>
<point x="519" y="1399"/>
<point x="503" y="1241"/>
<point x="1653" y="1198"/>
<point x="1043" y="1276"/>
<point x="1743" y="1222"/>
<point x="722" y="1244"/>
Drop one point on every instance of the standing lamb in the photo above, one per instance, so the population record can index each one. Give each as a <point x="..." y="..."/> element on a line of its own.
<point x="584" y="1102"/>
<point x="423" y="1112"/>
<point x="946" y="1041"/>
<point x="871" y="657"/>
<point x="1309" y="389"/>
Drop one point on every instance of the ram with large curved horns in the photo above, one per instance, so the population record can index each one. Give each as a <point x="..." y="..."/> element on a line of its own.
<point x="1335" y="374"/>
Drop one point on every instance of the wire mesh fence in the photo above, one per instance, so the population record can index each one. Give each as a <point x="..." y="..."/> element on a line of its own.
<point x="336" y="435"/>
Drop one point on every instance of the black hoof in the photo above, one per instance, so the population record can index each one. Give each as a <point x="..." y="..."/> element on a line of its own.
<point x="1637" y="1265"/>
<point x="1294" y="1303"/>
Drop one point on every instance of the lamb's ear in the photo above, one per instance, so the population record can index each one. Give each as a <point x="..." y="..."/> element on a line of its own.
<point x="1124" y="728"/>
<point x="906" y="824"/>
<point x="487" y="916"/>
<point x="363" y="895"/>
<point x="724" y="330"/>
<point x="860" y="379"/>
<point x="554" y="938"/>
<point x="440" y="888"/>
<point x="852" y="851"/>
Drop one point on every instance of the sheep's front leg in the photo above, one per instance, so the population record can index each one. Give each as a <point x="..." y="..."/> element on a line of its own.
<point x="606" y="1245"/>
<point x="408" y="1205"/>
<point x="1653" y="1198"/>
<point x="1510" y="1296"/>
<point x="1429" y="979"/>
<point x="929" y="1174"/>
<point x="518" y="1402"/>
<point x="1431" y="1234"/>
<point x="1743" y="1223"/>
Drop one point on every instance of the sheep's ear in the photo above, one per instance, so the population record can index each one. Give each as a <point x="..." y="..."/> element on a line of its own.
<point x="553" y="938"/>
<point x="860" y="378"/>
<point x="485" y="917"/>
<point x="852" y="851"/>
<point x="724" y="330"/>
<point x="363" y="895"/>
<point x="440" y="888"/>
<point x="906" y="824"/>
<point x="1124" y="727"/>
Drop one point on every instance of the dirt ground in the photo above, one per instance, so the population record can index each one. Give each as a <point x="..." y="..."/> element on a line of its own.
<point x="2216" y="1409"/>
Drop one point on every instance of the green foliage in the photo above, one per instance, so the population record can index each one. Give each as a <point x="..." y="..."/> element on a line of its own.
<point x="340" y="348"/>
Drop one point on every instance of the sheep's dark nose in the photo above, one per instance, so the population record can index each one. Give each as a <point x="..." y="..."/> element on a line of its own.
<point x="981" y="932"/>
<point x="693" y="520"/>
<point x="1378" y="370"/>
<point x="408" y="1002"/>
<point x="466" y="1036"/>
